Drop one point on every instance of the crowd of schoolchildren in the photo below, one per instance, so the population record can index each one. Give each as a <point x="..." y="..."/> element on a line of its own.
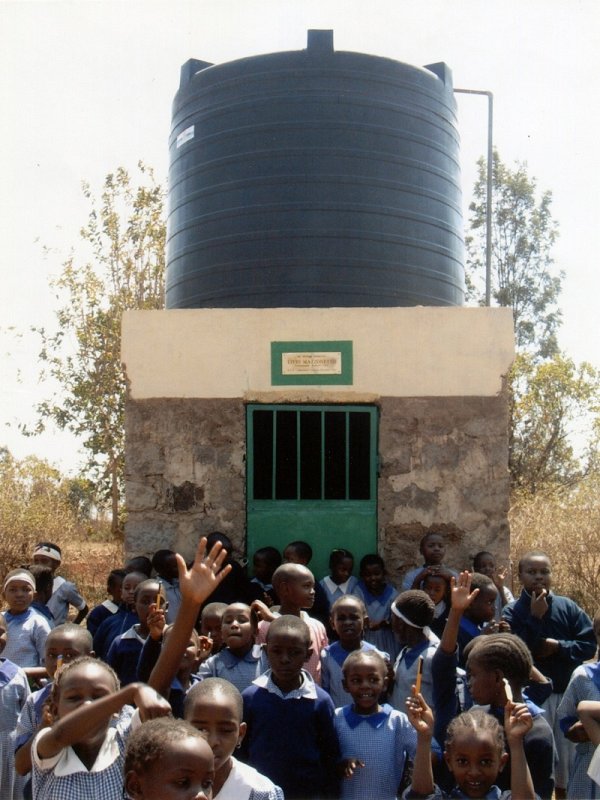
<point x="194" y="681"/>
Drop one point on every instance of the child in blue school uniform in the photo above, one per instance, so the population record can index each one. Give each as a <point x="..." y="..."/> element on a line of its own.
<point x="27" y="630"/>
<point x="107" y="608"/>
<point x="340" y="580"/>
<point x="375" y="740"/>
<point x="479" y="615"/>
<point x="64" y="643"/>
<point x="290" y="736"/>
<point x="64" y="593"/>
<point x="14" y="691"/>
<point x="122" y="619"/>
<point x="348" y="619"/>
<point x="474" y="752"/>
<point x="241" y="660"/>
<point x="377" y="595"/>
<point x="125" y="650"/>
<point x="412" y="614"/>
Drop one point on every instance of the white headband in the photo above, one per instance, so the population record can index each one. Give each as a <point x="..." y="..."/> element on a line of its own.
<point x="401" y="616"/>
<point x="50" y="552"/>
<point x="20" y="575"/>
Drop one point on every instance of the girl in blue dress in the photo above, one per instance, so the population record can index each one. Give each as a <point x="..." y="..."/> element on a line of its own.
<point x="378" y="596"/>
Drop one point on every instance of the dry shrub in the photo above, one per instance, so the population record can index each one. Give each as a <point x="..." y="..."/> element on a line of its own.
<point x="566" y="526"/>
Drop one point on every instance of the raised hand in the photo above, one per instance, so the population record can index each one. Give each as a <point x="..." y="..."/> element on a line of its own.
<point x="205" y="574"/>
<point x="419" y="714"/>
<point x="461" y="595"/>
<point x="517" y="721"/>
<point x="539" y="604"/>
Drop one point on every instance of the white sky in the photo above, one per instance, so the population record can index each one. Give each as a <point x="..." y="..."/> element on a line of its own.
<point x="87" y="86"/>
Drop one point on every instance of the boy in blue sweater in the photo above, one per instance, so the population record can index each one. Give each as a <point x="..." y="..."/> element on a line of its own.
<point x="291" y="736"/>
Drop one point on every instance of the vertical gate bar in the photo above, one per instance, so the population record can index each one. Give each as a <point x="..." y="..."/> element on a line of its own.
<point x="322" y="455"/>
<point x="274" y="457"/>
<point x="347" y="448"/>
<point x="298" y="456"/>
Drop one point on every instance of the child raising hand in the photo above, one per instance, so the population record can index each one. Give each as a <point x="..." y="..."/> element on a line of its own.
<point x="474" y="753"/>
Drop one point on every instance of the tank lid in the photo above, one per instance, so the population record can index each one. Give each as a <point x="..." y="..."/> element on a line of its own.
<point x="190" y="68"/>
<point x="319" y="41"/>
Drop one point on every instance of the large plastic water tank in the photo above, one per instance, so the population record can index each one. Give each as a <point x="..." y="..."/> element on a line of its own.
<point x="314" y="178"/>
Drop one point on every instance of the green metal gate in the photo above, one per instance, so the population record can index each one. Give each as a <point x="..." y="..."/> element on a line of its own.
<point x="312" y="475"/>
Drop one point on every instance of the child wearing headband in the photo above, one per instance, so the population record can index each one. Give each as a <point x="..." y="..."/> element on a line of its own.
<point x="27" y="630"/>
<point x="412" y="614"/>
<point x="64" y="593"/>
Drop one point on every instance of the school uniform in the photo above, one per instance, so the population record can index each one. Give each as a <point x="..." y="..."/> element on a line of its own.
<point x="332" y="661"/>
<point x="124" y="653"/>
<point x="566" y="622"/>
<point x="405" y="672"/>
<point x="27" y="634"/>
<point x="172" y="593"/>
<point x="64" y="594"/>
<point x="14" y="691"/>
<point x="410" y="576"/>
<point x="112" y="627"/>
<point x="291" y="737"/>
<point x="43" y="609"/>
<point x="239" y="671"/>
<point x="245" y="783"/>
<point x="379" y="607"/>
<point x="99" y="613"/>
<point x="334" y="591"/>
<point x="318" y="641"/>
<point x="382" y="741"/>
<point x="494" y="793"/>
<point x="584" y="685"/>
<point x="65" y="777"/>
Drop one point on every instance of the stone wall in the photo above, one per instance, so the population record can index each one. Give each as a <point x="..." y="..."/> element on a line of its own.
<point x="443" y="465"/>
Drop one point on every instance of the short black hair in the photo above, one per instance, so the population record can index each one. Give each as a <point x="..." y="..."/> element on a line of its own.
<point x="533" y="554"/>
<point x="416" y="606"/>
<point x="222" y="538"/>
<point x="478" y="556"/>
<point x="270" y="554"/>
<point x="371" y="560"/>
<point x="480" y="581"/>
<point x="472" y="720"/>
<point x="159" y="559"/>
<point x="114" y="575"/>
<point x="287" y="622"/>
<point x="344" y="599"/>
<point x="362" y="655"/>
<point x="338" y="555"/>
<point x="150" y="582"/>
<point x="145" y="746"/>
<point x="81" y="635"/>
<point x="212" y="687"/>
<point x="303" y="549"/>
<point x="139" y="564"/>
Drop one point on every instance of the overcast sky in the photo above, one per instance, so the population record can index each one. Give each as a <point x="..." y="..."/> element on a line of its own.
<point x="87" y="86"/>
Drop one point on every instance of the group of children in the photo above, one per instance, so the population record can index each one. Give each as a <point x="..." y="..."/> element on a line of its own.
<point x="242" y="691"/>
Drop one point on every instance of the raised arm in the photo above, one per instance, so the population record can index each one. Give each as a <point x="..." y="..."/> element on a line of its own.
<point x="196" y="585"/>
<point x="518" y="722"/>
<point x="461" y="598"/>
<point x="421" y="718"/>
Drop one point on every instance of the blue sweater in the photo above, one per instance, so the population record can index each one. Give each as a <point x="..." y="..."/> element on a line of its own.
<point x="563" y="621"/>
<point x="292" y="741"/>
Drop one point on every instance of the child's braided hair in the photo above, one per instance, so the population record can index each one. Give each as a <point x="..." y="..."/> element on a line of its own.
<point x="473" y="720"/>
<point x="505" y="652"/>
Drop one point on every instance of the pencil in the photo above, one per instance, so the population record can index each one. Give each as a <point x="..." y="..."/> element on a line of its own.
<point x="419" y="675"/>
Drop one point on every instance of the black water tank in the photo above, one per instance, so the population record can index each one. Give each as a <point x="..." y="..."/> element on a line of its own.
<point x="314" y="178"/>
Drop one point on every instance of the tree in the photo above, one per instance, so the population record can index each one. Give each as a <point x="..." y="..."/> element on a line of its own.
<point x="124" y="240"/>
<point x="553" y="404"/>
<point x="523" y="233"/>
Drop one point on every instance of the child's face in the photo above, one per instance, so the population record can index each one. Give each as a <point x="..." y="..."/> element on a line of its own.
<point x="46" y="561"/>
<point x="287" y="651"/>
<point x="342" y="570"/>
<point x="82" y="684"/>
<point x="263" y="568"/>
<point x="299" y="591"/>
<point x="536" y="574"/>
<point x="486" y="565"/>
<point x="365" y="680"/>
<point x="3" y="634"/>
<point x="475" y="758"/>
<point x="348" y="621"/>
<point x="130" y="583"/>
<point x="374" y="577"/>
<point x="435" y="587"/>
<point x="433" y="549"/>
<point x="483" y="608"/>
<point x="291" y="556"/>
<point x="218" y="718"/>
<point x="114" y="588"/>
<point x="237" y="629"/>
<point x="62" y="644"/>
<point x="484" y="684"/>
<point x="211" y="627"/>
<point x="184" y="771"/>
<point x="144" y="599"/>
<point x="19" y="596"/>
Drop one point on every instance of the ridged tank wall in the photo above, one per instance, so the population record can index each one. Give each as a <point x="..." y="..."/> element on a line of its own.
<point x="314" y="178"/>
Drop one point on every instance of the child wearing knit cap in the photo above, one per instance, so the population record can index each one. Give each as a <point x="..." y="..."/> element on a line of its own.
<point x="27" y="629"/>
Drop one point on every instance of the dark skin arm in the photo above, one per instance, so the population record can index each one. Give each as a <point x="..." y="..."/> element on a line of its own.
<point x="81" y="615"/>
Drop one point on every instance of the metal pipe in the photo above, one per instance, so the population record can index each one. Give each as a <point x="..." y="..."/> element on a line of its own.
<point x="490" y="174"/>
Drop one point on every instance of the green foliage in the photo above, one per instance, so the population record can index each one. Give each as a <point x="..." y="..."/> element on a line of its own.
<point x="125" y="242"/>
<point x="554" y="402"/>
<point x="523" y="234"/>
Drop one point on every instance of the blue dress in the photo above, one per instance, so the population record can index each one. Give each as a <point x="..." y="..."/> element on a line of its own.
<point x="14" y="691"/>
<point x="378" y="609"/>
